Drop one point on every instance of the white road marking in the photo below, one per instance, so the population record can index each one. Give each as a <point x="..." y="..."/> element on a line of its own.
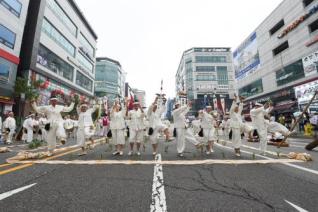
<point x="287" y="164"/>
<point x="158" y="197"/>
<point x="297" y="146"/>
<point x="296" y="207"/>
<point x="151" y="162"/>
<point x="10" y="193"/>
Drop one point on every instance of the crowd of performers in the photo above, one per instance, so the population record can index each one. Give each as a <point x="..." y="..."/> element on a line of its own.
<point x="119" y="123"/>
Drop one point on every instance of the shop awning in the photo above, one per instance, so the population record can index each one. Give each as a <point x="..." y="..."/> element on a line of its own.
<point x="6" y="101"/>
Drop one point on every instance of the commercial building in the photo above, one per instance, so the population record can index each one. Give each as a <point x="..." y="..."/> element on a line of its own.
<point x="59" y="48"/>
<point x="109" y="78"/>
<point x="278" y="61"/>
<point x="206" y="76"/>
<point x="13" y="15"/>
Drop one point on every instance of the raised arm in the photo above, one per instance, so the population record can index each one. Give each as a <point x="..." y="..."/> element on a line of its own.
<point x="38" y="109"/>
<point x="69" y="108"/>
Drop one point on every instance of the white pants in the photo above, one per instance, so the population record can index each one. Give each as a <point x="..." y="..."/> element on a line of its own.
<point x="262" y="133"/>
<point x="43" y="134"/>
<point x="236" y="138"/>
<point x="136" y="136"/>
<point x="104" y="131"/>
<point x="29" y="135"/>
<point x="209" y="135"/>
<point x="10" y="136"/>
<point x="182" y="136"/>
<point x="56" y="131"/>
<point x="154" y="137"/>
<point x="118" y="136"/>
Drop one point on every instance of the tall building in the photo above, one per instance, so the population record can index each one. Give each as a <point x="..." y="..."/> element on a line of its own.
<point x="13" y="15"/>
<point x="59" y="48"/>
<point x="206" y="76"/>
<point x="278" y="61"/>
<point x="109" y="78"/>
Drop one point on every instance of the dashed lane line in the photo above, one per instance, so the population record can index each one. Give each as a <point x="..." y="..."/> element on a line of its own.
<point x="10" y="193"/>
<point x="296" y="207"/>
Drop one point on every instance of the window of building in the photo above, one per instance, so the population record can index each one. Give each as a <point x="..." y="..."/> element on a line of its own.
<point x="7" y="37"/>
<point x="107" y="73"/>
<point x="85" y="62"/>
<point x="307" y="2"/>
<point x="252" y="89"/>
<point x="222" y="75"/>
<point x="210" y="59"/>
<point x="59" y="39"/>
<point x="14" y="6"/>
<point x="290" y="73"/>
<point x="84" y="81"/>
<point x="205" y="68"/>
<point x="87" y="48"/>
<point x="6" y="68"/>
<point x="281" y="48"/>
<point x="313" y="26"/>
<point x="55" y="64"/>
<point x="205" y="77"/>
<point x="60" y="14"/>
<point x="275" y="28"/>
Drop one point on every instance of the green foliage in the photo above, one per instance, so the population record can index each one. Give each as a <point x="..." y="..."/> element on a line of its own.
<point x="35" y="144"/>
<point x="30" y="90"/>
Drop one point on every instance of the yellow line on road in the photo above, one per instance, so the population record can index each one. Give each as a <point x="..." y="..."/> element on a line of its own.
<point x="5" y="164"/>
<point x="15" y="169"/>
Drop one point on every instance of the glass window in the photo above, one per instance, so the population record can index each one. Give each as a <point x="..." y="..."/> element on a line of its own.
<point x="222" y="75"/>
<point x="84" y="81"/>
<point x="313" y="26"/>
<point x="13" y="6"/>
<point x="7" y="37"/>
<point x="52" y="62"/>
<point x="205" y="68"/>
<point x="210" y="59"/>
<point x="205" y="77"/>
<point x="82" y="60"/>
<point x="252" y="89"/>
<point x="87" y="48"/>
<point x="290" y="73"/>
<point x="275" y="28"/>
<point x="281" y="48"/>
<point x="55" y="35"/>
<point x="60" y="14"/>
<point x="307" y="2"/>
<point x="6" y="68"/>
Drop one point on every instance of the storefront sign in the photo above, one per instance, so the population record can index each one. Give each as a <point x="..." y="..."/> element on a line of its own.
<point x="310" y="63"/>
<point x="297" y="22"/>
<point x="305" y="92"/>
<point x="313" y="41"/>
<point x="246" y="58"/>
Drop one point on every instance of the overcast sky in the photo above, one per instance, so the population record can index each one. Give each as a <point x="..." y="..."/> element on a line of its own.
<point x="148" y="37"/>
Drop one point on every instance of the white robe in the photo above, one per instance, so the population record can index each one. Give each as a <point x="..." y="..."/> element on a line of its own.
<point x="55" y="119"/>
<point x="117" y="126"/>
<point x="85" y="126"/>
<point x="155" y="122"/>
<point x="28" y="125"/>
<point x="236" y="124"/>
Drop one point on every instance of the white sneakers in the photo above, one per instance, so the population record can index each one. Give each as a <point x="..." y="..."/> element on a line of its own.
<point x="130" y="153"/>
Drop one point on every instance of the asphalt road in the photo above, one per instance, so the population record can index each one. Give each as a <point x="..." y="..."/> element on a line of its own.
<point x="184" y="187"/>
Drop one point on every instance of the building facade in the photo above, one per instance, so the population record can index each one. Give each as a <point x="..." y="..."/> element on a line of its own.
<point x="109" y="78"/>
<point x="206" y="77"/>
<point x="59" y="48"/>
<point x="13" y="15"/>
<point x="140" y="95"/>
<point x="278" y="61"/>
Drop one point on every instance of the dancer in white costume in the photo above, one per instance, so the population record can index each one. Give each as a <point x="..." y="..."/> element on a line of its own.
<point x="156" y="126"/>
<point x="28" y="125"/>
<point x="55" y="121"/>
<point x="259" y="123"/>
<point x="117" y="127"/>
<point x="209" y="131"/>
<point x="183" y="133"/>
<point x="136" y="127"/>
<point x="9" y="126"/>
<point x="86" y="127"/>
